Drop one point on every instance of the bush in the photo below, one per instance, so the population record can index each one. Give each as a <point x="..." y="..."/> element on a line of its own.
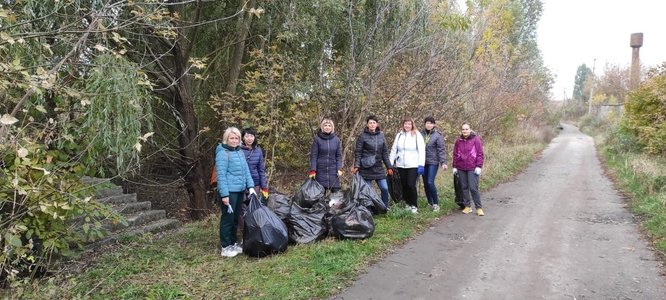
<point x="644" y="115"/>
<point x="44" y="209"/>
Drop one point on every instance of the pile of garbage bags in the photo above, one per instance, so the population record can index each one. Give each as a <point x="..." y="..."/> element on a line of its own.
<point x="309" y="216"/>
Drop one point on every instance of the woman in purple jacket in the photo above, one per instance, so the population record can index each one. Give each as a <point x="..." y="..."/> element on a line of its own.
<point x="468" y="161"/>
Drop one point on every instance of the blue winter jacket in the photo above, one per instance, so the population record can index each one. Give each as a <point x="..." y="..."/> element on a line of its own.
<point x="255" y="161"/>
<point x="233" y="174"/>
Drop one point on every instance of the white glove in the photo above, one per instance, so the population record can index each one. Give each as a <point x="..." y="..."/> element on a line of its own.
<point x="252" y="192"/>
<point x="454" y="170"/>
<point x="477" y="171"/>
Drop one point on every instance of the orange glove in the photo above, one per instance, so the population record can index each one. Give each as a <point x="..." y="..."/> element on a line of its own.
<point x="264" y="192"/>
<point x="312" y="174"/>
<point x="389" y="172"/>
<point x="354" y="170"/>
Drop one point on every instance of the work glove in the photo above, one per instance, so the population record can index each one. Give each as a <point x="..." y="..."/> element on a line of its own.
<point x="354" y="170"/>
<point x="389" y="172"/>
<point x="312" y="174"/>
<point x="477" y="171"/>
<point x="264" y="192"/>
<point x="420" y="170"/>
<point x="445" y="167"/>
<point x="455" y="171"/>
<point x="253" y="192"/>
<point x="339" y="173"/>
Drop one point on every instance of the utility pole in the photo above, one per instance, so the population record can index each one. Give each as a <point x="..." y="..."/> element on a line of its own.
<point x="564" y="105"/>
<point x="589" y="101"/>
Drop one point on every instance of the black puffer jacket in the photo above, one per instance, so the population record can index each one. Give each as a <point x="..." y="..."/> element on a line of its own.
<point x="369" y="144"/>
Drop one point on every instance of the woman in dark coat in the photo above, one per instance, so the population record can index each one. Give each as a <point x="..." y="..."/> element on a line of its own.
<point x="371" y="151"/>
<point x="255" y="160"/>
<point x="326" y="156"/>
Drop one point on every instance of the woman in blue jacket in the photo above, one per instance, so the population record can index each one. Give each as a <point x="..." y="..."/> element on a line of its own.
<point x="255" y="160"/>
<point x="233" y="179"/>
<point x="326" y="156"/>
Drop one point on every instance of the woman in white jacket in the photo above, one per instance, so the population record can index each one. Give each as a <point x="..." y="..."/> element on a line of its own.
<point x="408" y="157"/>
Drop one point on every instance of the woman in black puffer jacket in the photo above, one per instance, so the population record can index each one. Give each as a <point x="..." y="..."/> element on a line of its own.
<point x="326" y="156"/>
<point x="371" y="152"/>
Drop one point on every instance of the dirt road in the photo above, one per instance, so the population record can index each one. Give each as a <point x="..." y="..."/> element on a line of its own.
<point x="558" y="231"/>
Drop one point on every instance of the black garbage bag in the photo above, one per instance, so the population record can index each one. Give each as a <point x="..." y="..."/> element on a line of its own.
<point x="310" y="193"/>
<point x="353" y="222"/>
<point x="457" y="188"/>
<point x="306" y="225"/>
<point x="263" y="232"/>
<point x="280" y="205"/>
<point x="395" y="187"/>
<point x="363" y="193"/>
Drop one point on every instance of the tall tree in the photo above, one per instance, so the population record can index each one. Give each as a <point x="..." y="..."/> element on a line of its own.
<point x="582" y="73"/>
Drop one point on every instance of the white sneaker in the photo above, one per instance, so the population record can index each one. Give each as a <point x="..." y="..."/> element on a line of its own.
<point x="229" y="251"/>
<point x="414" y="209"/>
<point x="435" y="208"/>
<point x="238" y="248"/>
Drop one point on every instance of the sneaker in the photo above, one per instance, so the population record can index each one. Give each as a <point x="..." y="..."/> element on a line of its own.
<point x="229" y="251"/>
<point x="479" y="212"/>
<point x="467" y="210"/>
<point x="238" y="248"/>
<point x="430" y="205"/>
<point x="435" y="208"/>
<point x="414" y="209"/>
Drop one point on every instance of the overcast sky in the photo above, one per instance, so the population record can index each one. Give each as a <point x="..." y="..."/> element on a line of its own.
<point x="573" y="32"/>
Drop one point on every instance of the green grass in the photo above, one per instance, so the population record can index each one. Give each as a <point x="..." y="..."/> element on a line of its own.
<point x="187" y="264"/>
<point x="642" y="178"/>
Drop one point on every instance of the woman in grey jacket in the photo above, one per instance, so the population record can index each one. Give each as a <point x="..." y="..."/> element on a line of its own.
<point x="435" y="157"/>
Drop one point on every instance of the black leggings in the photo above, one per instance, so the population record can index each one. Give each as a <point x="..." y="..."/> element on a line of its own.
<point x="408" y="181"/>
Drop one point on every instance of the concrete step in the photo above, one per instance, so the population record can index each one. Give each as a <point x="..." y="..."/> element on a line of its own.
<point x="152" y="227"/>
<point x="132" y="207"/>
<point x="138" y="219"/>
<point x="94" y="180"/>
<point x="108" y="192"/>
<point x="119" y="199"/>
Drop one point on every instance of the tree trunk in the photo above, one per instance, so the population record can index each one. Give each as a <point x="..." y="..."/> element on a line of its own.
<point x="189" y="132"/>
<point x="239" y="50"/>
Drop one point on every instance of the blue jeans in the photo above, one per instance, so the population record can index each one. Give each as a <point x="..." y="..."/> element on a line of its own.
<point x="383" y="187"/>
<point x="429" y="183"/>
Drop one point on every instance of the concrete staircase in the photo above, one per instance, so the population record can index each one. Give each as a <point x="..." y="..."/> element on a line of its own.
<point x="139" y="216"/>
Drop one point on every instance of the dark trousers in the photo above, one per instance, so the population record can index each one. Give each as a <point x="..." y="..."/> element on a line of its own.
<point x="470" y="185"/>
<point x="429" y="174"/>
<point x="229" y="221"/>
<point x="408" y="181"/>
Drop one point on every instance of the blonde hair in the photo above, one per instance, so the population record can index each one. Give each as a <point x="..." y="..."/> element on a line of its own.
<point x="405" y="120"/>
<point x="326" y="120"/>
<point x="230" y="131"/>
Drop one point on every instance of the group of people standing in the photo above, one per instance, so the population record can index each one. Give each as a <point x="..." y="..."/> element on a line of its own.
<point x="239" y="165"/>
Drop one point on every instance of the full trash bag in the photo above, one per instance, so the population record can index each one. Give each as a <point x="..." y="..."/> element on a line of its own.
<point x="395" y="187"/>
<point x="364" y="193"/>
<point x="264" y="233"/>
<point x="280" y="205"/>
<point x="307" y="225"/>
<point x="353" y="222"/>
<point x="310" y="193"/>
<point x="457" y="187"/>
